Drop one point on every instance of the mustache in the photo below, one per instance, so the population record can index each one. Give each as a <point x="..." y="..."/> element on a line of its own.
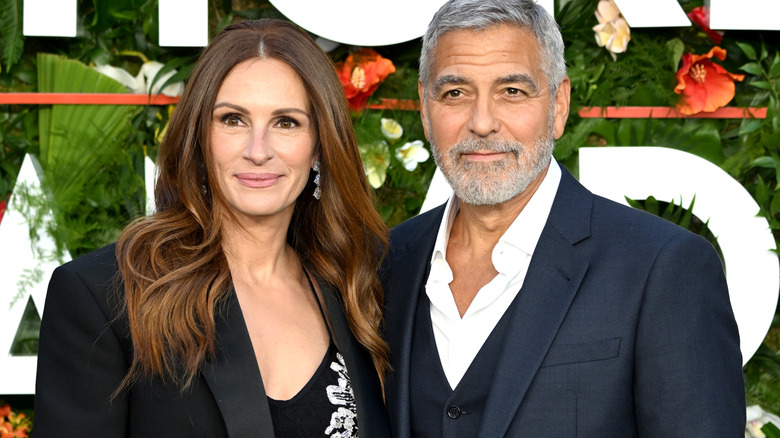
<point x="471" y="145"/>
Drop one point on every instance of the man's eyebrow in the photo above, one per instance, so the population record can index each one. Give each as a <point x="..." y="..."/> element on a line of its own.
<point x="440" y="82"/>
<point x="520" y="78"/>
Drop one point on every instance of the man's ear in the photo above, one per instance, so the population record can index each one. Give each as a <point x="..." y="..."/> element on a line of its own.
<point x="562" y="101"/>
<point x="423" y="110"/>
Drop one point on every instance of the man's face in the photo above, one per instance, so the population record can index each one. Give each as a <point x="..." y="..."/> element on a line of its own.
<point x="489" y="114"/>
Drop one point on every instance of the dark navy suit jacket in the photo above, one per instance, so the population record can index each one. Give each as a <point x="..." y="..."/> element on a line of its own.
<point x="85" y="351"/>
<point x="623" y="329"/>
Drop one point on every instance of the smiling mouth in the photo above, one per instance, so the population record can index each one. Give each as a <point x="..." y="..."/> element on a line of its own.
<point x="258" y="180"/>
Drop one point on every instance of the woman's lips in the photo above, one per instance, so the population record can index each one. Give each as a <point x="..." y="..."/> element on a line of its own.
<point x="258" y="180"/>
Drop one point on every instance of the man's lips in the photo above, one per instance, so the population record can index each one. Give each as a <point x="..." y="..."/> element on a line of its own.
<point x="484" y="155"/>
<point x="258" y="180"/>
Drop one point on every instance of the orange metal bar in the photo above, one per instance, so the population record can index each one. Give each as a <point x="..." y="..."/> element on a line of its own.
<point x="85" y="99"/>
<point x="666" y="112"/>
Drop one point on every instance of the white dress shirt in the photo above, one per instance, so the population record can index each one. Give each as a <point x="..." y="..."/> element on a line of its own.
<point x="460" y="339"/>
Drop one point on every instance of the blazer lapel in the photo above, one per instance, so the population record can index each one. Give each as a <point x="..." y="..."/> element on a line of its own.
<point x="372" y="417"/>
<point x="552" y="281"/>
<point x="411" y="245"/>
<point x="234" y="377"/>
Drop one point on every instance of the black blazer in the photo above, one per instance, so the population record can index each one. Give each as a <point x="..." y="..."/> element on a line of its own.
<point x="85" y="351"/>
<point x="624" y="328"/>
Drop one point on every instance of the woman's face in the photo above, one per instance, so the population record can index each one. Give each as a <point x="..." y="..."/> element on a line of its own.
<point x="262" y="138"/>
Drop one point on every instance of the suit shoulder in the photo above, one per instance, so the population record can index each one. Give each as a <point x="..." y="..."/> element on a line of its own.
<point x="618" y="219"/>
<point x="423" y="221"/>
<point x="96" y="271"/>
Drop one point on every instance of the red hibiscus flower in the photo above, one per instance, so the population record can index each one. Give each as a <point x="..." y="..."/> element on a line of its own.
<point x="701" y="17"/>
<point x="704" y="85"/>
<point x="2" y="211"/>
<point x="361" y="73"/>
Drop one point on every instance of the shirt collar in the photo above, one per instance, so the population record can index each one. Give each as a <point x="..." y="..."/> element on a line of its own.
<point x="524" y="232"/>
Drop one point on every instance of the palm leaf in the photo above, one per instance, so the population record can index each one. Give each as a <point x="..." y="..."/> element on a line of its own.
<point x="11" y="31"/>
<point x="81" y="146"/>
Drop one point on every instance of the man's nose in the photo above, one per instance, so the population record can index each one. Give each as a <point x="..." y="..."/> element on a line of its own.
<point x="483" y="121"/>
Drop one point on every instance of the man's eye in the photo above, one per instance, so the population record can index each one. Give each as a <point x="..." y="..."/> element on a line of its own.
<point x="453" y="93"/>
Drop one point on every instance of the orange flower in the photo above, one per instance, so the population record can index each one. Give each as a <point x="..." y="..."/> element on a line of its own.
<point x="361" y="73"/>
<point x="704" y="85"/>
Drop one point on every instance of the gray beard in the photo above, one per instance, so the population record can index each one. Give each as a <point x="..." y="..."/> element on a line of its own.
<point x="496" y="182"/>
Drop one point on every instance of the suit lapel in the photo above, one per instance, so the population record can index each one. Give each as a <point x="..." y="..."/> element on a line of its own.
<point x="552" y="281"/>
<point x="411" y="245"/>
<point x="234" y="377"/>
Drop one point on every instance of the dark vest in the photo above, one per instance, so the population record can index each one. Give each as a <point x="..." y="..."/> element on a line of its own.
<point x="436" y="409"/>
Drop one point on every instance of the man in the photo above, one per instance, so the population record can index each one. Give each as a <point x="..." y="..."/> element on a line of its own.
<point x="526" y="306"/>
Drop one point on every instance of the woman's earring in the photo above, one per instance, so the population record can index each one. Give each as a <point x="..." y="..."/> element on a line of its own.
<point x="317" y="191"/>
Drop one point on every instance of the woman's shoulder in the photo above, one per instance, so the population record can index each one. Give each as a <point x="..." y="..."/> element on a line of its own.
<point x="96" y="271"/>
<point x="95" y="264"/>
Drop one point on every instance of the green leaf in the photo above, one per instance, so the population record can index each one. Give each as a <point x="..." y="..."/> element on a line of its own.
<point x="766" y="162"/>
<point x="749" y="51"/>
<point x="753" y="68"/>
<point x="651" y="205"/>
<point x="687" y="217"/>
<point x="11" y="31"/>
<point x="675" y="48"/>
<point x="761" y="84"/>
<point x="633" y="203"/>
<point x="774" y="206"/>
<point x="774" y="69"/>
<point x="751" y="126"/>
<point x="770" y="430"/>
<point x="763" y="193"/>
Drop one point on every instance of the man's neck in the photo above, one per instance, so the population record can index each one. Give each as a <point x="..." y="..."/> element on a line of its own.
<point x="475" y="232"/>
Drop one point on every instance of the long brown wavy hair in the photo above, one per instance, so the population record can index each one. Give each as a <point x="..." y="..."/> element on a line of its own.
<point x="174" y="270"/>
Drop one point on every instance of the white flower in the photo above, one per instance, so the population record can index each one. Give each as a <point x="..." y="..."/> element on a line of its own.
<point x="612" y="31"/>
<point x="756" y="419"/>
<point x="150" y="70"/>
<point x="141" y="83"/>
<point x="123" y="77"/>
<point x="412" y="153"/>
<point x="391" y="129"/>
<point x="376" y="159"/>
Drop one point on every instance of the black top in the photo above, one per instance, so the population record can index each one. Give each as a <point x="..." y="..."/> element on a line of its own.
<point x="325" y="406"/>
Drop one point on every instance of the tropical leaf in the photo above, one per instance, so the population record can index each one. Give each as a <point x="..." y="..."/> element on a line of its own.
<point x="83" y="155"/>
<point x="11" y="31"/>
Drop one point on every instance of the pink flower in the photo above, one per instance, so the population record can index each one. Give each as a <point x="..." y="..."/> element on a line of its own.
<point x="701" y="17"/>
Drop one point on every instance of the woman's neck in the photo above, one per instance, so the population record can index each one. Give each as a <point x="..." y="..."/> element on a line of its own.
<point x="258" y="252"/>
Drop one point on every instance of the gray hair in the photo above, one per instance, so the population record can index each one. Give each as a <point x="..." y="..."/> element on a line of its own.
<point x="483" y="14"/>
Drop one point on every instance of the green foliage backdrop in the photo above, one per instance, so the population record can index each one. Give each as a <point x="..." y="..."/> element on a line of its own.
<point x="92" y="208"/>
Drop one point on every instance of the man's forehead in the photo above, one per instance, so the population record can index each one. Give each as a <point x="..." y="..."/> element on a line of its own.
<point x="501" y="53"/>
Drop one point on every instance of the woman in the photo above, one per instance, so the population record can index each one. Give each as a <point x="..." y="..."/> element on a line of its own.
<point x="231" y="310"/>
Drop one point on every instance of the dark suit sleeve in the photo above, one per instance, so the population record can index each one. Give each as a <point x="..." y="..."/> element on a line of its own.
<point x="688" y="379"/>
<point x="80" y="364"/>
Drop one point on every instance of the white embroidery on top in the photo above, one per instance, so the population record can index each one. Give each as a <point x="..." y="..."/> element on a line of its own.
<point x="343" y="422"/>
